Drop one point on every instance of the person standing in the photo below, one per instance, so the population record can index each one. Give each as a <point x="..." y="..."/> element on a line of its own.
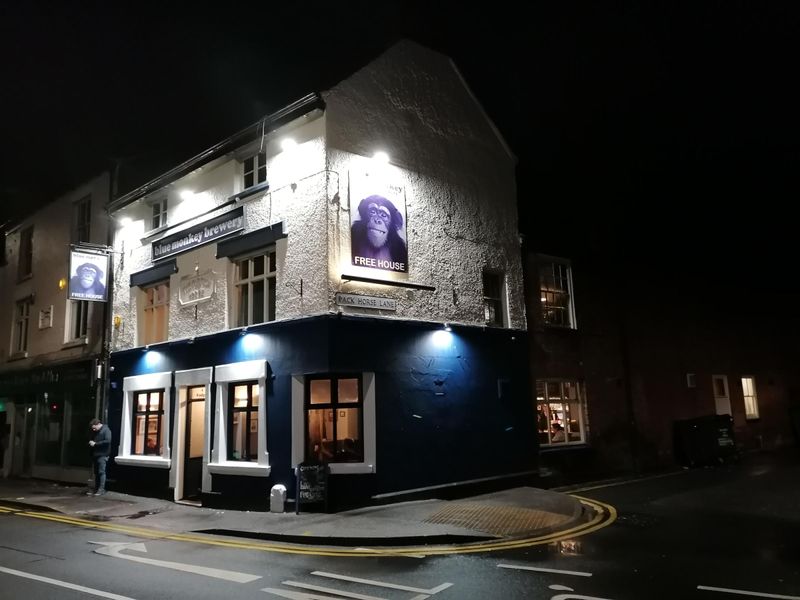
<point x="101" y="448"/>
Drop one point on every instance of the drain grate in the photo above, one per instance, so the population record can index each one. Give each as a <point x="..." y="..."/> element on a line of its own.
<point x="496" y="520"/>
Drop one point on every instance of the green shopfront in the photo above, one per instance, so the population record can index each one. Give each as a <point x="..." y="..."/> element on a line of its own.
<point x="47" y="413"/>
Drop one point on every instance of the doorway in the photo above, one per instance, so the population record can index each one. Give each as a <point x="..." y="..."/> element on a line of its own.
<point x="722" y="399"/>
<point x="195" y="437"/>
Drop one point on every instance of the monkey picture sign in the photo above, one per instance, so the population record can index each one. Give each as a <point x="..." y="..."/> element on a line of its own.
<point x="378" y="228"/>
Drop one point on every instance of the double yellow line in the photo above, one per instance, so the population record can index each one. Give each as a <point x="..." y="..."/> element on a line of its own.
<point x="605" y="515"/>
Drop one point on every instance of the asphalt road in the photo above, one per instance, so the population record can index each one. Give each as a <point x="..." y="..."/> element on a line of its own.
<point x="724" y="533"/>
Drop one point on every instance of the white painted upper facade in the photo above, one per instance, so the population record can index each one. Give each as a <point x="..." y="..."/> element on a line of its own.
<point x="449" y="174"/>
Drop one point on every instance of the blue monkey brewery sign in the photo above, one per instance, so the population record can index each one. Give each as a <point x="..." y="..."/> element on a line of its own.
<point x="378" y="230"/>
<point x="199" y="234"/>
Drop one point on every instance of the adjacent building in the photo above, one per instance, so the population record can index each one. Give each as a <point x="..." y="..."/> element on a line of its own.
<point x="51" y="346"/>
<point x="340" y="283"/>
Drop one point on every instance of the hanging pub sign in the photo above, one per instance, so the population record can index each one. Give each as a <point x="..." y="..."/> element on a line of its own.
<point x="199" y="234"/>
<point x="88" y="272"/>
<point x="378" y="226"/>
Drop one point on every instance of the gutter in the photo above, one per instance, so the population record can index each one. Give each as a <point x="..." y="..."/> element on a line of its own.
<point x="281" y="117"/>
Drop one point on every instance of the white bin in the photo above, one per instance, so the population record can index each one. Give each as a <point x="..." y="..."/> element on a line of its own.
<point x="277" y="498"/>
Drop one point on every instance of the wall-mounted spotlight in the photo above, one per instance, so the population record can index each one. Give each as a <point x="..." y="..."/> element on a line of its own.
<point x="187" y="194"/>
<point x="381" y="157"/>
<point x="62" y="283"/>
<point x="243" y="331"/>
<point x="146" y="348"/>
<point x="447" y="327"/>
<point x="125" y="221"/>
<point x="117" y="321"/>
<point x="288" y="144"/>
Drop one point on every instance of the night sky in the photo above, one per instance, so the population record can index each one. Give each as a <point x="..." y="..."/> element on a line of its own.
<point x="668" y="133"/>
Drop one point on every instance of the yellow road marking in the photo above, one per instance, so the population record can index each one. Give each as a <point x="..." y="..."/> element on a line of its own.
<point x="605" y="516"/>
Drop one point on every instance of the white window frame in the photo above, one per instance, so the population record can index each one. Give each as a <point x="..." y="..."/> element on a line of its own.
<point x="299" y="427"/>
<point x="146" y="306"/>
<point x="502" y="300"/>
<point x="84" y="310"/>
<point x="158" y="210"/>
<point x="541" y="262"/>
<point x="259" y="166"/>
<point x="753" y="396"/>
<point x="183" y="381"/>
<point x="25" y="258"/>
<point x="248" y="281"/>
<point x="581" y="387"/>
<point x="141" y="383"/>
<point x="224" y="375"/>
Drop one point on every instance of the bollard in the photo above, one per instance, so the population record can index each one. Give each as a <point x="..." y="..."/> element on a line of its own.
<point x="277" y="498"/>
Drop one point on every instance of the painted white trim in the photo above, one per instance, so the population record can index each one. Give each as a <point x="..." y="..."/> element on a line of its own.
<point x="134" y="460"/>
<point x="223" y="376"/>
<point x="184" y="380"/>
<point x="370" y="436"/>
<point x="130" y="385"/>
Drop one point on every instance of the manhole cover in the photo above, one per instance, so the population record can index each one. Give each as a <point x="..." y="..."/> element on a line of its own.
<point x="496" y="520"/>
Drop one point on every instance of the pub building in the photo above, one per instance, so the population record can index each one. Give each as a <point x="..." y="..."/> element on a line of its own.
<point x="340" y="283"/>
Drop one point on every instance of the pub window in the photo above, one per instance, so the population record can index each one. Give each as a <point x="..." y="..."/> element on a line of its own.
<point x="560" y="408"/>
<point x="243" y="421"/>
<point x="255" y="170"/>
<point x="159" y="213"/>
<point x="254" y="284"/>
<point x="148" y="421"/>
<point x="155" y="313"/>
<point x="25" y="264"/>
<point x="555" y="291"/>
<point x="334" y="419"/>
<point x="750" y="398"/>
<point x="22" y="318"/>
<point x="77" y="320"/>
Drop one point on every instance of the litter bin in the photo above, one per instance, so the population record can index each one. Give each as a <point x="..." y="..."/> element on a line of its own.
<point x="277" y="498"/>
<point x="704" y="441"/>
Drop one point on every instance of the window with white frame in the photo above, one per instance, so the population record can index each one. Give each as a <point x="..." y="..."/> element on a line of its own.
<point x="560" y="408"/>
<point x="493" y="299"/>
<point x="159" y="213"/>
<point x="77" y="319"/>
<point x="148" y="422"/>
<point x="750" y="397"/>
<point x="333" y="419"/>
<point x="254" y="289"/>
<point x="22" y="318"/>
<point x="155" y="313"/>
<point x="555" y="291"/>
<point x="82" y="219"/>
<point x="25" y="264"/>
<point x="255" y="169"/>
<point x="243" y="422"/>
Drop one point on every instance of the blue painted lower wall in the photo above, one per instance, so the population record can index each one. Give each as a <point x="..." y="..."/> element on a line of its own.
<point x="450" y="406"/>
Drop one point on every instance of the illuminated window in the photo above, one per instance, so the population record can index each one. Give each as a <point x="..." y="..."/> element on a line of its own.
<point x="159" y="213"/>
<point x="25" y="264"/>
<point x="255" y="170"/>
<point x="750" y="397"/>
<point x="155" y="314"/>
<point x="334" y="419"/>
<point x="22" y="317"/>
<point x="82" y="219"/>
<point x="255" y="289"/>
<point x="148" y="421"/>
<point x="555" y="291"/>
<point x="493" y="299"/>
<point x="243" y="421"/>
<point x="560" y="413"/>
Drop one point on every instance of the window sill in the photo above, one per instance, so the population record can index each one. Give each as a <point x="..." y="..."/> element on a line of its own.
<point x="18" y="356"/>
<point x="75" y="343"/>
<point x="154" y="232"/>
<point x="567" y="446"/>
<point x="157" y="462"/>
<point x="239" y="468"/>
<point x="24" y="277"/>
<point x="350" y="468"/>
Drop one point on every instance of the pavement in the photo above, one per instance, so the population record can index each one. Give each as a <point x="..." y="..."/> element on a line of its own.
<point x="521" y="513"/>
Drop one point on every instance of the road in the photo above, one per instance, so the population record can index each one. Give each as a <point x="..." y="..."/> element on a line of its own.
<point x="725" y="533"/>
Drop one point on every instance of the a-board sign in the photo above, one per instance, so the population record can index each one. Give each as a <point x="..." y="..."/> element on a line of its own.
<point x="312" y="483"/>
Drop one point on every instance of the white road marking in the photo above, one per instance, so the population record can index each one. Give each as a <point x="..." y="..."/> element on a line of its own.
<point x="294" y="595"/>
<point x="560" y="588"/>
<point x="64" y="584"/>
<point x="707" y="588"/>
<point x="393" y="586"/>
<point x="114" y="549"/>
<point x="318" y="588"/>
<point x="544" y="570"/>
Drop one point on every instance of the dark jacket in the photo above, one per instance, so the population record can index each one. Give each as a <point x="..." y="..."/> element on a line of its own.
<point x="102" y="442"/>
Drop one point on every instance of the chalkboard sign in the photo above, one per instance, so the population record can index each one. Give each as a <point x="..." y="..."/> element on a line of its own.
<point x="312" y="484"/>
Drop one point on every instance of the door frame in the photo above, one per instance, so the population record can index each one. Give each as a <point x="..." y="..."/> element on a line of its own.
<point x="717" y="398"/>
<point x="183" y="381"/>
